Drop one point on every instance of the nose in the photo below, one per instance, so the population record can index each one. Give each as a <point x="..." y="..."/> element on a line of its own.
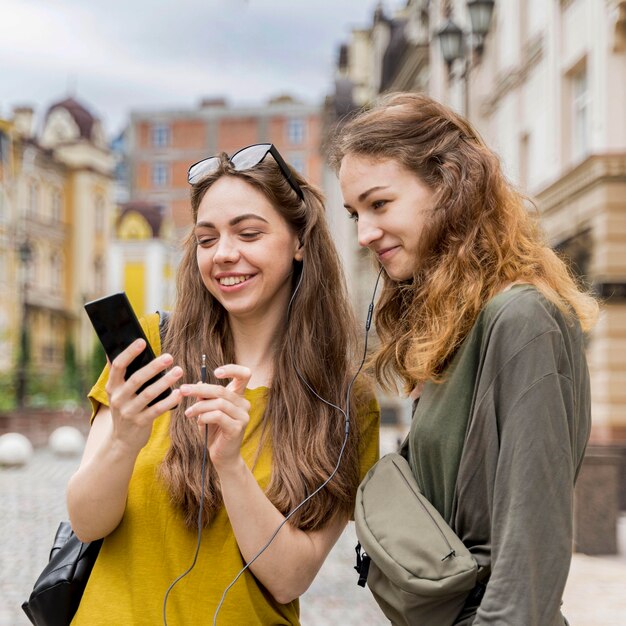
<point x="226" y="251"/>
<point x="368" y="232"/>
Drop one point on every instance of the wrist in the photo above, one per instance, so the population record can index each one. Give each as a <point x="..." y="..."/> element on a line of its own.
<point x="231" y="469"/>
<point x="121" y="449"/>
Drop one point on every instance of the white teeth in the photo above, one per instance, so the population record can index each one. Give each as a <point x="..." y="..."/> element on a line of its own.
<point x="229" y="281"/>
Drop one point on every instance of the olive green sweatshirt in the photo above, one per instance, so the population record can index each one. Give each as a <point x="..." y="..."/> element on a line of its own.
<point x="497" y="447"/>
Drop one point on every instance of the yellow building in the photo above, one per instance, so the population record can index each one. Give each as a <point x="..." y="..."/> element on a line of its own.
<point x="143" y="255"/>
<point x="58" y="228"/>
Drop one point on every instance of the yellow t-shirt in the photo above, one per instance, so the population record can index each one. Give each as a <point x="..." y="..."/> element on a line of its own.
<point x="152" y="546"/>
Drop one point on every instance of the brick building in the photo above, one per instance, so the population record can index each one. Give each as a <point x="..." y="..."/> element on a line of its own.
<point x="163" y="144"/>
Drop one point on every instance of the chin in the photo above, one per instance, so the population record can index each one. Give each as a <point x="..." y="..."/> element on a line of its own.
<point x="399" y="275"/>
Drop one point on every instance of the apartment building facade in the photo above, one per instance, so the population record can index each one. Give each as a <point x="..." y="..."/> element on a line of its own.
<point x="163" y="144"/>
<point x="55" y="229"/>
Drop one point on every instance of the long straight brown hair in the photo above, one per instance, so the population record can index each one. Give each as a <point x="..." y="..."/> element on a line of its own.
<point x="479" y="237"/>
<point x="317" y="339"/>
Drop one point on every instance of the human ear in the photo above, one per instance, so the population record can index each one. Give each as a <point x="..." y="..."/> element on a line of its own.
<point x="299" y="253"/>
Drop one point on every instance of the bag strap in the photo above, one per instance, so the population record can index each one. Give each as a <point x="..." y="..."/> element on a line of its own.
<point x="164" y="320"/>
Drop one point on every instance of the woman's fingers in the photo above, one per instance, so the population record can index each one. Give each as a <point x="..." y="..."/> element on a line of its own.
<point x="237" y="412"/>
<point x="207" y="392"/>
<point x="123" y="360"/>
<point x="159" y="386"/>
<point x="240" y="377"/>
<point x="230" y="428"/>
<point x="224" y="410"/>
<point x="141" y="376"/>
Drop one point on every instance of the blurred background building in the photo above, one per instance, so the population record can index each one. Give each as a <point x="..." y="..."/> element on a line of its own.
<point x="54" y="231"/>
<point x="144" y="253"/>
<point x="161" y="145"/>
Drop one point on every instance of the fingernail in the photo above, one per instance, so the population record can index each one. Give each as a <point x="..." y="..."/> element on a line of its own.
<point x="177" y="371"/>
<point x="184" y="388"/>
<point x="219" y="371"/>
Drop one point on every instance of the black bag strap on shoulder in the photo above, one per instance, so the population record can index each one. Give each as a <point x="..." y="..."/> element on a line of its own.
<point x="164" y="320"/>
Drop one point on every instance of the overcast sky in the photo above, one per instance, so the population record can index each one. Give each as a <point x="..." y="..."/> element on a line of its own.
<point x="122" y="55"/>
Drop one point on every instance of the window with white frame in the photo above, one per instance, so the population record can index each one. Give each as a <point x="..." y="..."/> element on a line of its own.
<point x="295" y="130"/>
<point x="580" y="114"/>
<point x="160" y="135"/>
<point x="160" y="174"/>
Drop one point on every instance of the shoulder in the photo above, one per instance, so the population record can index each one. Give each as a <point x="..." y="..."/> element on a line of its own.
<point x="523" y="316"/>
<point x="526" y="337"/>
<point x="523" y="307"/>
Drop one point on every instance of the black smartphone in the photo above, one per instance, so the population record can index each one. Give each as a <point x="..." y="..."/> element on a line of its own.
<point x="117" y="326"/>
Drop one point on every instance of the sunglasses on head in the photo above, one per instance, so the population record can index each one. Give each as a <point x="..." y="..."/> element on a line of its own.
<point x="244" y="159"/>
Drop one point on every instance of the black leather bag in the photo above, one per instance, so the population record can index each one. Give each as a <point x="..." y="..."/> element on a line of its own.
<point x="59" y="588"/>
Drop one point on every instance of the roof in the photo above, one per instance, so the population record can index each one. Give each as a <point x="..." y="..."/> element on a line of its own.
<point x="153" y="213"/>
<point x="81" y="115"/>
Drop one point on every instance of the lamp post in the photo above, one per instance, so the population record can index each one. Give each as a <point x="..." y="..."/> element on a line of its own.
<point x="456" y="44"/>
<point x="25" y="255"/>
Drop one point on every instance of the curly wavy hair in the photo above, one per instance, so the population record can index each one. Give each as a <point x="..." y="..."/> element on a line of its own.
<point x="479" y="238"/>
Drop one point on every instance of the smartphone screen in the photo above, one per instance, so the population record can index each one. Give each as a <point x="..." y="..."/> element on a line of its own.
<point x="117" y="327"/>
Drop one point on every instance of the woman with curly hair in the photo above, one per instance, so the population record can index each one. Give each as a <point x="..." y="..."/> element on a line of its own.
<point x="261" y="295"/>
<point x="483" y="325"/>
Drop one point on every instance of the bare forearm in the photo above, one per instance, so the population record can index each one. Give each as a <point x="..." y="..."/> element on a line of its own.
<point x="96" y="494"/>
<point x="290" y="563"/>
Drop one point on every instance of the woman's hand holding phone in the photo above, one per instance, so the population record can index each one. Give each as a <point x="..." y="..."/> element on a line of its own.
<point x="132" y="417"/>
<point x="225" y="411"/>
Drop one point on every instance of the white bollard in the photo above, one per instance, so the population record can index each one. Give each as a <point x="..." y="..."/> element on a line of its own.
<point x="15" y="450"/>
<point x="66" y="441"/>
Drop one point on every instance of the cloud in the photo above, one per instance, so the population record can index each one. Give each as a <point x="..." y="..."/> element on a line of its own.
<point x="123" y="55"/>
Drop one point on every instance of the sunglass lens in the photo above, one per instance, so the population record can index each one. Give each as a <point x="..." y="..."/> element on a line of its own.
<point x="198" y="171"/>
<point x="249" y="157"/>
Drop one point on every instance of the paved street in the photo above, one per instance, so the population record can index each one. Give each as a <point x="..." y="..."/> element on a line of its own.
<point x="32" y="503"/>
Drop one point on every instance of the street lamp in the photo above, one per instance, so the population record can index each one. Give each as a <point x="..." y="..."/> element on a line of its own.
<point x="451" y="41"/>
<point x="480" y="12"/>
<point x="456" y="44"/>
<point x="25" y="255"/>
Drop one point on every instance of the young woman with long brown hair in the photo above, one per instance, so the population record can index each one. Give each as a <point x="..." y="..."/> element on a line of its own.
<point x="482" y="323"/>
<point x="261" y="294"/>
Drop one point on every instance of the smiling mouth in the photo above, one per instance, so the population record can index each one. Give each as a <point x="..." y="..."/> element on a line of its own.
<point x="231" y="281"/>
<point x="385" y="251"/>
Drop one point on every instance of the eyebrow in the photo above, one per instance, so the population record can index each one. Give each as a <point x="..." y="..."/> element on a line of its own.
<point x="234" y="221"/>
<point x="367" y="192"/>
